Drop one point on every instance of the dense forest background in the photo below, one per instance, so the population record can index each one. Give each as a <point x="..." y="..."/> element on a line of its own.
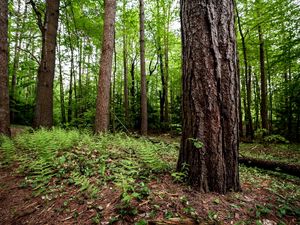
<point x="268" y="50"/>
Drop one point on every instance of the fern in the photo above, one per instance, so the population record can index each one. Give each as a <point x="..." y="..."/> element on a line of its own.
<point x="7" y="149"/>
<point x="84" y="184"/>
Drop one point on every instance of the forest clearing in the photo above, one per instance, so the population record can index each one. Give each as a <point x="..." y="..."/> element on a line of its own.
<point x="150" y="112"/>
<point x="69" y="177"/>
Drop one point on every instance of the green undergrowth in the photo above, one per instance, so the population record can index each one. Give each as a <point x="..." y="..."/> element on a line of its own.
<point x="289" y="153"/>
<point x="284" y="187"/>
<point x="58" y="158"/>
<point x="55" y="162"/>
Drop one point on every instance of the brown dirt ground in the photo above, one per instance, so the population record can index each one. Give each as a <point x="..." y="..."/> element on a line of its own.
<point x="19" y="206"/>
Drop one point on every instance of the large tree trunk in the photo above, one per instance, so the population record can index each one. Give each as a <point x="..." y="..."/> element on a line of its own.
<point x="144" y="114"/>
<point x="4" y="93"/>
<point x="209" y="145"/>
<point x="44" y="100"/>
<point x="103" y="97"/>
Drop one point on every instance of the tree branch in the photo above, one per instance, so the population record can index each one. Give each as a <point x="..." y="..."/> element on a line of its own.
<point x="35" y="58"/>
<point x="38" y="15"/>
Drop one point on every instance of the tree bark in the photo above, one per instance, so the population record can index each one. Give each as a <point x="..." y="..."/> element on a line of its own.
<point x="209" y="145"/>
<point x="144" y="114"/>
<point x="103" y="97"/>
<point x="44" y="98"/>
<point x="4" y="93"/>
<point x="288" y="168"/>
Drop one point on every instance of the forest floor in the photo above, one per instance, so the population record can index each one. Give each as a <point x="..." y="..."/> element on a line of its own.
<point x="70" y="177"/>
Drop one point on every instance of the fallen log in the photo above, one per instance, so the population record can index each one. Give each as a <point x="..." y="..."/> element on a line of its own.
<point x="289" y="168"/>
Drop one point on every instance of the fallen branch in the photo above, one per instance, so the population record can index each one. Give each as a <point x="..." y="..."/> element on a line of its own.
<point x="292" y="169"/>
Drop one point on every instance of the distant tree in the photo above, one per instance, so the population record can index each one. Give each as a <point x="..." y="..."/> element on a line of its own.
<point x="125" y="64"/>
<point x="103" y="98"/>
<point x="210" y="133"/>
<point x="247" y="76"/>
<point x="44" y="96"/>
<point x="263" y="78"/>
<point x="4" y="93"/>
<point x="144" y="114"/>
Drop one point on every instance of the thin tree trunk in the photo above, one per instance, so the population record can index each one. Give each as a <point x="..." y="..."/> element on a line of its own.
<point x="257" y="101"/>
<point x="61" y="85"/>
<point x="144" y="114"/>
<point x="240" y="99"/>
<point x="263" y="81"/>
<point x="113" y="102"/>
<point x="18" y="42"/>
<point x="72" y="82"/>
<point x="70" y="96"/>
<point x="270" y="94"/>
<point x="263" y="86"/>
<point x="75" y="93"/>
<point x="44" y="100"/>
<point x="247" y="96"/>
<point x="125" y="65"/>
<point x="4" y="93"/>
<point x="80" y="69"/>
<point x="103" y="97"/>
<point x="249" y="125"/>
<point x="132" y="89"/>
<point x="166" y="53"/>
<point x="209" y="146"/>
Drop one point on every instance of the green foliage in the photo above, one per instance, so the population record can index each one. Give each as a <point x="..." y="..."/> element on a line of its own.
<point x="176" y="128"/>
<point x="70" y="157"/>
<point x="7" y="150"/>
<point x="275" y="139"/>
<point x="182" y="175"/>
<point x="260" y="133"/>
<point x="196" y="142"/>
<point x="262" y="210"/>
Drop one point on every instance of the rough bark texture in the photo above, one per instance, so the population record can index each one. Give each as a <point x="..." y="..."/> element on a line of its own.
<point x="210" y="96"/>
<point x="144" y="114"/>
<point x="4" y="93"/>
<point x="103" y="98"/>
<point x="288" y="168"/>
<point x="44" y="100"/>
